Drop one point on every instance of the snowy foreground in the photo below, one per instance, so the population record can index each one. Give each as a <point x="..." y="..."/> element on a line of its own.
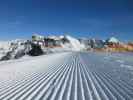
<point x="68" y="76"/>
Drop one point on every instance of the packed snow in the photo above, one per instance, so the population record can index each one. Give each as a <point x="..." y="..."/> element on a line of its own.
<point x="67" y="76"/>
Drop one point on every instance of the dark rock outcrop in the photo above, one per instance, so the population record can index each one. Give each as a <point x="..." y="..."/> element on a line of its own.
<point x="36" y="50"/>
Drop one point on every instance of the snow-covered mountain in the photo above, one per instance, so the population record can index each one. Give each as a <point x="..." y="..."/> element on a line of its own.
<point x="17" y="48"/>
<point x="73" y="44"/>
<point x="113" y="40"/>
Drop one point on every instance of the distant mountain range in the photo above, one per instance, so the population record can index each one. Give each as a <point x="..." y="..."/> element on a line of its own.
<point x="39" y="45"/>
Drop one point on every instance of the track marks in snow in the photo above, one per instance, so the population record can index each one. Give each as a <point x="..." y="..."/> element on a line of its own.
<point x="74" y="78"/>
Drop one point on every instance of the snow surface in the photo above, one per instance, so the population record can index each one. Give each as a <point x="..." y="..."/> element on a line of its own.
<point x="67" y="76"/>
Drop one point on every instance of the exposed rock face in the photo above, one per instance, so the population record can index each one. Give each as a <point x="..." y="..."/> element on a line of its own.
<point x="36" y="50"/>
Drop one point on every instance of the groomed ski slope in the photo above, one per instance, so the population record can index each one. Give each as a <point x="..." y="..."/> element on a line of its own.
<point x="67" y="76"/>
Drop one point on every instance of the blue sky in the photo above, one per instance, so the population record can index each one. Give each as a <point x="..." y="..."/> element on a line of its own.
<point x="80" y="18"/>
